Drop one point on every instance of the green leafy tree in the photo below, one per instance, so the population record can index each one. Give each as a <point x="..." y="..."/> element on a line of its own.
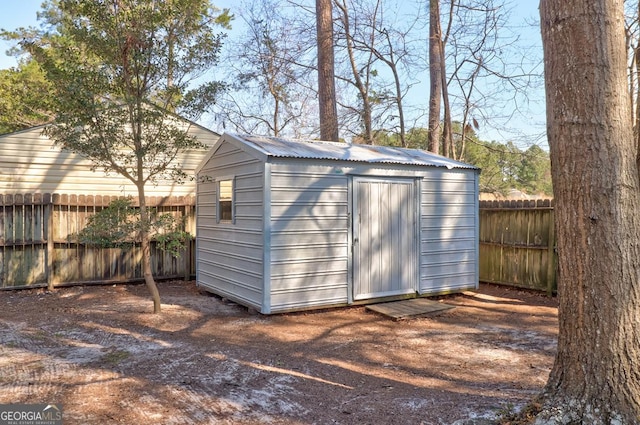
<point x="119" y="225"/>
<point x="496" y="163"/>
<point x="415" y="138"/>
<point x="119" y="68"/>
<point x="504" y="166"/>
<point x="534" y="171"/>
<point x="25" y="97"/>
<point x="26" y="94"/>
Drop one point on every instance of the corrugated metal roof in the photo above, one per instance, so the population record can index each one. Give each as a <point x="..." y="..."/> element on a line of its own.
<point x="286" y="148"/>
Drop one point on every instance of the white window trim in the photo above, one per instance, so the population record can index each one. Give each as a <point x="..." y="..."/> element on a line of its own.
<point x="233" y="199"/>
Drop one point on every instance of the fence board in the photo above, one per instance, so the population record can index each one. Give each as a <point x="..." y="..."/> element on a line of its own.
<point x="36" y="248"/>
<point x="517" y="244"/>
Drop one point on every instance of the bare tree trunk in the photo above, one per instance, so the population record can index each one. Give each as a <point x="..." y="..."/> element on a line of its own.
<point x="276" y="114"/>
<point x="403" y="131"/>
<point x="326" y="72"/>
<point x="146" y="251"/>
<point x="459" y="154"/>
<point x="447" y="134"/>
<point x="435" y="76"/>
<point x="596" y="375"/>
<point x="362" y="86"/>
<point x="391" y="63"/>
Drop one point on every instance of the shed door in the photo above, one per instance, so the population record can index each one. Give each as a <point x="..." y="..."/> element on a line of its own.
<point x="385" y="254"/>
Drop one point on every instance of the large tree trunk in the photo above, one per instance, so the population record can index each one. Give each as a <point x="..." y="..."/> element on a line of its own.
<point x="326" y="71"/>
<point x="435" y="76"/>
<point x="635" y="69"/>
<point x="596" y="375"/>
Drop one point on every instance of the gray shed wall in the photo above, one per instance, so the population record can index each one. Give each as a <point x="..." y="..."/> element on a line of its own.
<point x="310" y="259"/>
<point x="448" y="231"/>
<point x="309" y="237"/>
<point x="230" y="256"/>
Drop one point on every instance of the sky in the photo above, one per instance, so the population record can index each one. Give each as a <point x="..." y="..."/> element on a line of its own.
<point x="15" y="14"/>
<point x="23" y="13"/>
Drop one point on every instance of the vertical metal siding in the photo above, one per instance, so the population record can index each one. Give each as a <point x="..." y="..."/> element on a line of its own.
<point x="449" y="238"/>
<point x="266" y="232"/>
<point x="309" y="241"/>
<point x="476" y="209"/>
<point x="230" y="255"/>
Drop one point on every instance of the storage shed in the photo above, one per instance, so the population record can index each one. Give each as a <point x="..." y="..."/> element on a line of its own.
<point x="288" y="225"/>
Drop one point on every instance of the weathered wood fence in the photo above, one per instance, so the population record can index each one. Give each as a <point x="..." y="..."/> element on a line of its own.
<point x="517" y="244"/>
<point x="36" y="248"/>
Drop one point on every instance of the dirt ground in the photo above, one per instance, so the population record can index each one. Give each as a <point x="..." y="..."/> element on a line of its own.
<point x="100" y="353"/>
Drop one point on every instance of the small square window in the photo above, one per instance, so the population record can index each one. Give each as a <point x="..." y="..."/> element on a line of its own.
<point x="225" y="201"/>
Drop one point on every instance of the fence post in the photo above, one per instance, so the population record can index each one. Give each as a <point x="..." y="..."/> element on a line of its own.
<point x="48" y="207"/>
<point x="551" y="269"/>
<point x="189" y="211"/>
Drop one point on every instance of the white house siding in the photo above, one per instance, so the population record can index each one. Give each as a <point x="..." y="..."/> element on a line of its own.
<point x="230" y="255"/>
<point x="449" y="231"/>
<point x="309" y="236"/>
<point x="30" y="163"/>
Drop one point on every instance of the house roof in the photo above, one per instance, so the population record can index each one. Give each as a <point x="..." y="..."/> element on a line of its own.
<point x="307" y="149"/>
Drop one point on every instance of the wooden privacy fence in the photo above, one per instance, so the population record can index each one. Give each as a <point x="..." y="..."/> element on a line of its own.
<point x="517" y="244"/>
<point x="36" y="250"/>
